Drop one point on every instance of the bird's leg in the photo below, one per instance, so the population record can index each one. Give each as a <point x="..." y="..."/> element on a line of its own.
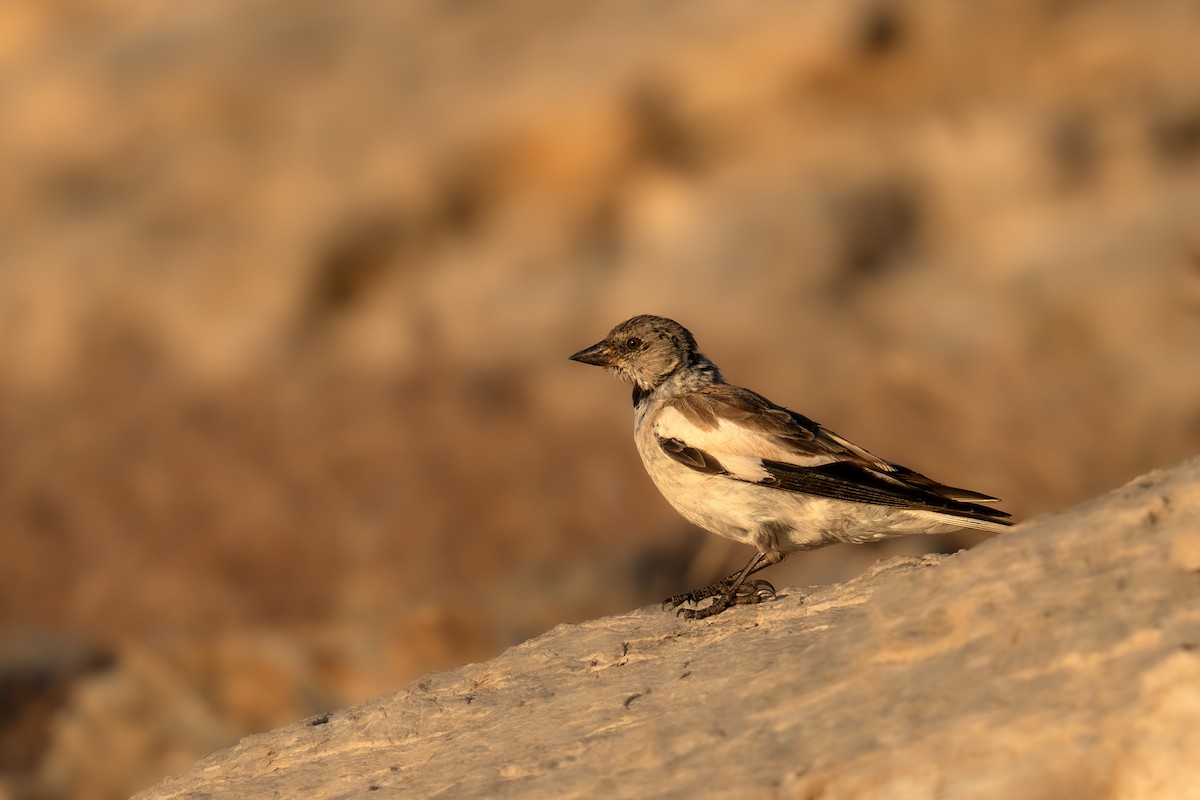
<point x="733" y="590"/>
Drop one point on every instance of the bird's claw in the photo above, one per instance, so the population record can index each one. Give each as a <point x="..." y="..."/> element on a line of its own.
<point x="750" y="593"/>
<point x="754" y="592"/>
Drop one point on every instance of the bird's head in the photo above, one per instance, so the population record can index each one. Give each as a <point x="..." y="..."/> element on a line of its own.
<point x="644" y="350"/>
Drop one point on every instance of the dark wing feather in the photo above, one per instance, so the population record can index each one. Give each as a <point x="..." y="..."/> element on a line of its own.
<point x="692" y="457"/>
<point x="845" y="480"/>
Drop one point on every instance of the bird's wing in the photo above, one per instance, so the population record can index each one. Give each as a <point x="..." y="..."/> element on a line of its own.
<point x="733" y="432"/>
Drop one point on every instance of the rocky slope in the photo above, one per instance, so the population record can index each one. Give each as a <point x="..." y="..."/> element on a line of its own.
<point x="1060" y="659"/>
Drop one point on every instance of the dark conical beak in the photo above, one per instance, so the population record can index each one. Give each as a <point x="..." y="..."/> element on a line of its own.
<point x="598" y="354"/>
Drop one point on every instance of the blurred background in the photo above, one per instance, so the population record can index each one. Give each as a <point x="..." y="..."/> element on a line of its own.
<point x="287" y="291"/>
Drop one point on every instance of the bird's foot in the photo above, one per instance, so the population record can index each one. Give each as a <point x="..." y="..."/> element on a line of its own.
<point x="724" y="594"/>
<point x="696" y="595"/>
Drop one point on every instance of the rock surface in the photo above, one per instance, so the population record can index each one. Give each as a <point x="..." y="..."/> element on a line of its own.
<point x="1061" y="659"/>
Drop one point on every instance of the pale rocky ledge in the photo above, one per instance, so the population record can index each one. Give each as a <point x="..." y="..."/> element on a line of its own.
<point x="1060" y="659"/>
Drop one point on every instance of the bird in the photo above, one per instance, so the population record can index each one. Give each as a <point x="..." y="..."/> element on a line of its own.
<point x="734" y="463"/>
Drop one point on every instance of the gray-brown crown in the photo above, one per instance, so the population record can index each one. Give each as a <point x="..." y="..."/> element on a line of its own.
<point x="645" y="350"/>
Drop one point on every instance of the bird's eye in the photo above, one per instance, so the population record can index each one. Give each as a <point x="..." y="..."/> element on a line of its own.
<point x="633" y="343"/>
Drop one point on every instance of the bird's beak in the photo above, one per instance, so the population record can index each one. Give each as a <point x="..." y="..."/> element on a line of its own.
<point x="599" y="354"/>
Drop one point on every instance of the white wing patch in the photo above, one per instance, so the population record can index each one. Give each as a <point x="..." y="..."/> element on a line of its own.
<point x="741" y="450"/>
<point x="746" y="468"/>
